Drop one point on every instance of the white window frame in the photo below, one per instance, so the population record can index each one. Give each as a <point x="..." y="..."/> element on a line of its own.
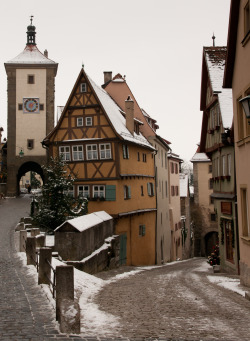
<point x="229" y="161"/>
<point x="106" y="152"/>
<point x="98" y="191"/>
<point x="84" y="192"/>
<point x="88" y="121"/>
<point x="64" y="152"/>
<point x="127" y="192"/>
<point x="224" y="165"/>
<point x="83" y="87"/>
<point x="77" y="154"/>
<point x="92" y="153"/>
<point x="150" y="188"/>
<point x="70" y="192"/>
<point x="79" y="121"/>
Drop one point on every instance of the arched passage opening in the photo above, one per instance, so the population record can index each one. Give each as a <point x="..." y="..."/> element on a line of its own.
<point x="211" y="239"/>
<point x="34" y="175"/>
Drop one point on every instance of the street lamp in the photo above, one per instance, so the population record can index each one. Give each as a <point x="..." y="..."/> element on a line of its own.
<point x="246" y="105"/>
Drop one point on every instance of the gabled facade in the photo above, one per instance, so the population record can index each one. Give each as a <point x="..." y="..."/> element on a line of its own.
<point x="205" y="227"/>
<point x="113" y="164"/>
<point x="118" y="89"/>
<point x="175" y="205"/>
<point x="237" y="77"/>
<point x="217" y="141"/>
<point x="187" y="240"/>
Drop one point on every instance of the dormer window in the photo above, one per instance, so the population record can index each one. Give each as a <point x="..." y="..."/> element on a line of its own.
<point x="83" y="87"/>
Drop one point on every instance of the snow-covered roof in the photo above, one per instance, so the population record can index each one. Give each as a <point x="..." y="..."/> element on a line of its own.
<point x="86" y="221"/>
<point x="183" y="185"/>
<point x="200" y="157"/>
<point x="31" y="55"/>
<point x="117" y="119"/>
<point x="215" y="60"/>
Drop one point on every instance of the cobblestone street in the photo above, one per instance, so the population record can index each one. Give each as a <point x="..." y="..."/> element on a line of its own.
<point x="171" y="302"/>
<point x="176" y="301"/>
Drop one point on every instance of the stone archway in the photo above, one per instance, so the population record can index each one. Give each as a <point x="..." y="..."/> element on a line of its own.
<point x="211" y="239"/>
<point x="29" y="166"/>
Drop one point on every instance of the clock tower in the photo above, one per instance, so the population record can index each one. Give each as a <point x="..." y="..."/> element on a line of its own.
<point x="31" y="83"/>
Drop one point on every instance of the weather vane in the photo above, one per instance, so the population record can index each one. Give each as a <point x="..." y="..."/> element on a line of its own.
<point x="31" y="19"/>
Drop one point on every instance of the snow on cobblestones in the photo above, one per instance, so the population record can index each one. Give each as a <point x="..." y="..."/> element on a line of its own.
<point x="232" y="284"/>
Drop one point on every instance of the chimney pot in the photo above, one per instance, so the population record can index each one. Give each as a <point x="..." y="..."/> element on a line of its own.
<point x="129" y="110"/>
<point x="107" y="76"/>
<point x="46" y="53"/>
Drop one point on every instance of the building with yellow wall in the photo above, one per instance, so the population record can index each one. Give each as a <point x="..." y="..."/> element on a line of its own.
<point x="113" y="164"/>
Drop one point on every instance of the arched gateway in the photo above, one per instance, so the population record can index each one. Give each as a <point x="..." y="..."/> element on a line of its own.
<point x="31" y="82"/>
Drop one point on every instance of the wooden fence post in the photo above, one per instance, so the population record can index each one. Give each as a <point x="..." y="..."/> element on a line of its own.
<point x="22" y="243"/>
<point x="44" y="273"/>
<point x="31" y="250"/>
<point x="64" y="285"/>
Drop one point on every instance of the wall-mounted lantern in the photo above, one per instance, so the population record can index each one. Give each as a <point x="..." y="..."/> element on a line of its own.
<point x="21" y="153"/>
<point x="246" y="105"/>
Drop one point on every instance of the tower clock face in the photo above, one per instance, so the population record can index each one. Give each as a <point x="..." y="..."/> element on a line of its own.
<point x="31" y="105"/>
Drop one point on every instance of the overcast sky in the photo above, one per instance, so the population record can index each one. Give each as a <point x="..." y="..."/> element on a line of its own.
<point x="157" y="44"/>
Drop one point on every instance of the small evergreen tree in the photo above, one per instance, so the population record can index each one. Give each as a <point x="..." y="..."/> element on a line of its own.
<point x="56" y="204"/>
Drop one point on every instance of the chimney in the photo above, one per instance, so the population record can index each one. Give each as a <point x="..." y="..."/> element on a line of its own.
<point x="129" y="110"/>
<point x="46" y="53"/>
<point x="107" y="76"/>
<point x="1" y="129"/>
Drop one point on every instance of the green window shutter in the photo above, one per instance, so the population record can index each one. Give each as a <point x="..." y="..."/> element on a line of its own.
<point x="127" y="152"/>
<point x="110" y="192"/>
<point x="148" y="187"/>
<point x="129" y="192"/>
<point x="143" y="230"/>
<point x="124" y="151"/>
<point x="153" y="189"/>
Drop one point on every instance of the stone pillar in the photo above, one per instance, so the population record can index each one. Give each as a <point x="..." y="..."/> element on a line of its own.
<point x="31" y="251"/>
<point x="23" y="238"/>
<point x="64" y="285"/>
<point x="44" y="273"/>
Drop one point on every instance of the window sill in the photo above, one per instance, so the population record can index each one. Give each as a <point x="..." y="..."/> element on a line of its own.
<point x="243" y="141"/>
<point x="245" y="239"/>
<point x="246" y="38"/>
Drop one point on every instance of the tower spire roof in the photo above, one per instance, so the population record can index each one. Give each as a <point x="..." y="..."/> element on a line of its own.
<point x="31" y="33"/>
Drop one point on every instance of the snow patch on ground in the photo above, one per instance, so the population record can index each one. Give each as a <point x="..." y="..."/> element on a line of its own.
<point x="204" y="267"/>
<point x="232" y="284"/>
<point x="86" y="287"/>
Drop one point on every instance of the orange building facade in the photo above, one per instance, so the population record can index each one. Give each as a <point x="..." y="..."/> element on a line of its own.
<point x="112" y="163"/>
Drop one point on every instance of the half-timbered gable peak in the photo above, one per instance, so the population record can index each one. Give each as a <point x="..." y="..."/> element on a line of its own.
<point x="212" y="91"/>
<point x="90" y="113"/>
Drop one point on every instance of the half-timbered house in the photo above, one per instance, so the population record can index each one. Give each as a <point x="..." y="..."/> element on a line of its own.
<point x="118" y="89"/>
<point x="217" y="141"/>
<point x="113" y="164"/>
